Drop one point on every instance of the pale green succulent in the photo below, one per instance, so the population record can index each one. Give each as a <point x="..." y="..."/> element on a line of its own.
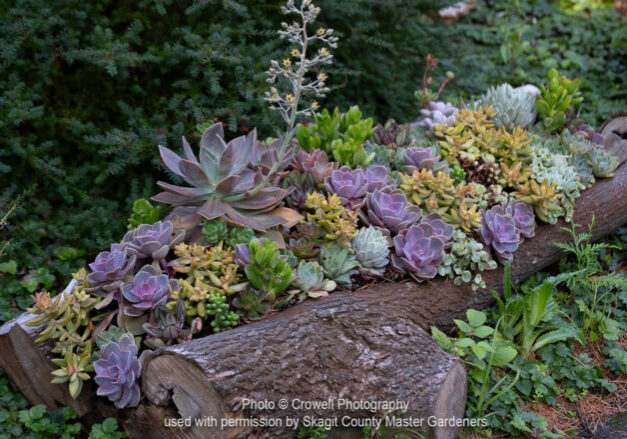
<point x="556" y="169"/>
<point x="464" y="257"/>
<point x="371" y="251"/>
<point x="310" y="278"/>
<point x="338" y="264"/>
<point x="603" y="164"/>
<point x="514" y="107"/>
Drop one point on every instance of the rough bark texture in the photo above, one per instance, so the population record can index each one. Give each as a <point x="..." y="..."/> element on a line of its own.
<point x="361" y="345"/>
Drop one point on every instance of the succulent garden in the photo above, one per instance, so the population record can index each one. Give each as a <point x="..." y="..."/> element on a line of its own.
<point x="246" y="226"/>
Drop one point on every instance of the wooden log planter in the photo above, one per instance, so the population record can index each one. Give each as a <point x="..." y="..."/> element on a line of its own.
<point x="347" y="350"/>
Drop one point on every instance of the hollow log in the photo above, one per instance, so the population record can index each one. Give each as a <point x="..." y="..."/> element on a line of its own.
<point x="362" y="345"/>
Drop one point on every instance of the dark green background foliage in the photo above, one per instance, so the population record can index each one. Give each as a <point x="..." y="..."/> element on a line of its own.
<point x="87" y="90"/>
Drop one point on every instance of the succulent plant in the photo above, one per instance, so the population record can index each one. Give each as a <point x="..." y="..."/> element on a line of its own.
<point x="435" y="114"/>
<point x="392" y="135"/>
<point x="348" y="184"/>
<point x="523" y="217"/>
<point x="150" y="240"/>
<point x="390" y="212"/>
<point x="381" y="154"/>
<point x="418" y="251"/>
<point x="338" y="263"/>
<point x="222" y="183"/>
<point x="371" y="251"/>
<point x="118" y="371"/>
<point x="378" y="177"/>
<point x="299" y="184"/>
<point x="513" y="106"/>
<point x="341" y="135"/>
<point x="439" y="227"/>
<point x="544" y="199"/>
<point x="143" y="213"/>
<point x="251" y="304"/>
<point x="207" y="271"/>
<point x="223" y="317"/>
<point x="339" y="223"/>
<point x="305" y="239"/>
<point x="167" y="327"/>
<point x="464" y="257"/>
<point x="150" y="288"/>
<point x="588" y="133"/>
<point x="73" y="368"/>
<point x="110" y="268"/>
<point x="264" y="156"/>
<point x="499" y="231"/>
<point x="415" y="159"/>
<point x="316" y="163"/>
<point x="310" y="280"/>
<point x="240" y="235"/>
<point x="438" y="192"/>
<point x="559" y="100"/>
<point x="267" y="271"/>
<point x="215" y="230"/>
<point x="603" y="164"/>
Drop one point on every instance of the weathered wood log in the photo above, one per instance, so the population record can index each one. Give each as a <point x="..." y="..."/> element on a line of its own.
<point x="360" y="345"/>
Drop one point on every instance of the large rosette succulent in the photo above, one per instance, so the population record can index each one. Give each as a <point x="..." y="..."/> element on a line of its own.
<point x="415" y="159"/>
<point x="349" y="184"/>
<point x="523" y="217"/>
<point x="118" y="371"/>
<point x="150" y="288"/>
<point x="418" y="251"/>
<point x="439" y="227"/>
<point x="389" y="211"/>
<point x="378" y="177"/>
<point x="498" y="230"/>
<point x="222" y="184"/>
<point x="150" y="240"/>
<point x="110" y="269"/>
<point x="265" y="156"/>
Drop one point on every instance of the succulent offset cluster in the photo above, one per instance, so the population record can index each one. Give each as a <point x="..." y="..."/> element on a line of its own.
<point x="464" y="257"/>
<point x="437" y="113"/>
<point x="338" y="223"/>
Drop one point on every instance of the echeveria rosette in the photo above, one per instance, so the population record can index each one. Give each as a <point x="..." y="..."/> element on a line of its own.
<point x="221" y="183"/>
<point x="118" y="371"/>
<point x="415" y="158"/>
<point x="499" y="231"/>
<point x="150" y="240"/>
<point x="439" y="227"/>
<point x="523" y="217"/>
<point x="389" y="211"/>
<point x="110" y="268"/>
<point x="418" y="251"/>
<point x="378" y="177"/>
<point x="315" y="163"/>
<point x="348" y="184"/>
<point x="150" y="288"/>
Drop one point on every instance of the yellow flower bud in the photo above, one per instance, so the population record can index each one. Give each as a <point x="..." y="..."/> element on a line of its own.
<point x="289" y="98"/>
<point x="287" y="62"/>
<point x="321" y="31"/>
<point x="295" y="52"/>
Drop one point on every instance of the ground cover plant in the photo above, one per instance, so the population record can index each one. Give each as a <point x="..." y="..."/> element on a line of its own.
<point x="248" y="225"/>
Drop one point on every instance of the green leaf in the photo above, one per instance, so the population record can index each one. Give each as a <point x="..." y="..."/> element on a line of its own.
<point x="9" y="267"/>
<point x="441" y="338"/>
<point x="481" y="349"/>
<point x="504" y="353"/>
<point x="482" y="331"/>
<point x="464" y="342"/>
<point x="475" y="318"/>
<point x="463" y="326"/>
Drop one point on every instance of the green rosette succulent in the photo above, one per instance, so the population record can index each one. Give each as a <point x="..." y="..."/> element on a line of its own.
<point x="240" y="235"/>
<point x="558" y="101"/>
<point x="251" y="304"/>
<point x="215" y="230"/>
<point x="514" y="107"/>
<point x="311" y="281"/>
<point x="267" y="270"/>
<point x="338" y="263"/>
<point x="371" y="251"/>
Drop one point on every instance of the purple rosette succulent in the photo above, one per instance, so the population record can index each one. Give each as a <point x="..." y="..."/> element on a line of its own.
<point x="389" y="211"/>
<point x="111" y="267"/>
<point x="149" y="289"/>
<point x="438" y="226"/>
<point x="348" y="184"/>
<point x="415" y="158"/>
<point x="523" y="217"/>
<point x="378" y="177"/>
<point x="118" y="371"/>
<point x="315" y="163"/>
<point x="150" y="240"/>
<point x="498" y="230"/>
<point x="418" y="251"/>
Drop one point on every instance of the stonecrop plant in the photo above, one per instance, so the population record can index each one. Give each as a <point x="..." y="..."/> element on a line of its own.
<point x="249" y="227"/>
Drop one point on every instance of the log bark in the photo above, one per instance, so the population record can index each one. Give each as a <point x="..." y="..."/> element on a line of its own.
<point x="361" y="345"/>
